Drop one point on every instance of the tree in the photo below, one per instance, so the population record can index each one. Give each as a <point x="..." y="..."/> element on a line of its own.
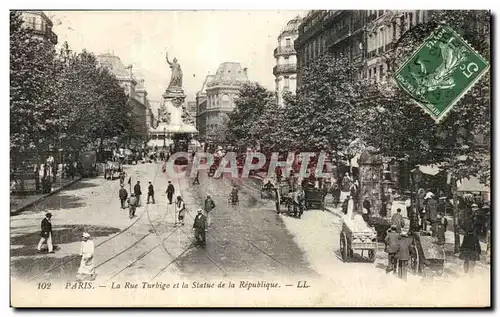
<point x="33" y="122"/>
<point x="460" y="144"/>
<point x="389" y="113"/>
<point x="96" y="106"/>
<point x="323" y="115"/>
<point x="251" y="103"/>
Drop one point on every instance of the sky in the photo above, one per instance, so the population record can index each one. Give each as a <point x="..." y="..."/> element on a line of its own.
<point x="201" y="41"/>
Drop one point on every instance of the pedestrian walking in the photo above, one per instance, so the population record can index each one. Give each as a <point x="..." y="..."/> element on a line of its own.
<point x="196" y="180"/>
<point x="170" y="192"/>
<point x="470" y="250"/>
<point x="122" y="178"/>
<point x="180" y="210"/>
<point x="209" y="206"/>
<point x="86" y="271"/>
<point x="46" y="233"/>
<point x="397" y="220"/>
<point x="122" y="194"/>
<point x="138" y="193"/>
<point x="391" y="247"/>
<point x="132" y="205"/>
<point x="151" y="192"/>
<point x="200" y="227"/>
<point x="403" y="254"/>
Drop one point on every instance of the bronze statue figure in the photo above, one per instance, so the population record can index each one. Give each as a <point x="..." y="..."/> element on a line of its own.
<point x="176" y="78"/>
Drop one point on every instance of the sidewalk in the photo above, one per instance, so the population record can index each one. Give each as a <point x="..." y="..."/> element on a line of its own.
<point x="449" y="235"/>
<point x="19" y="203"/>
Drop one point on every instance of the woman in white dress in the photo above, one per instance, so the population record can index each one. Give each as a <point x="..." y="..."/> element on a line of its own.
<point x="87" y="269"/>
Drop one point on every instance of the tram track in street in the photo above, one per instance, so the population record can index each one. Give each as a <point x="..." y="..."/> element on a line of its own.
<point x="251" y="243"/>
<point x="174" y="258"/>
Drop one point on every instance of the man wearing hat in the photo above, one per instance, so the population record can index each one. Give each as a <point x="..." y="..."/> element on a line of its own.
<point x="391" y="246"/>
<point x="209" y="206"/>
<point x="398" y="221"/>
<point x="132" y="204"/>
<point x="200" y="227"/>
<point x="170" y="192"/>
<point x="122" y="194"/>
<point x="87" y="269"/>
<point x="46" y="233"/>
<point x="403" y="252"/>
<point x="442" y="224"/>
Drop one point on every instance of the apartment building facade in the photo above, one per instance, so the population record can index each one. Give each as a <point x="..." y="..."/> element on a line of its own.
<point x="285" y="71"/>
<point x="363" y="36"/>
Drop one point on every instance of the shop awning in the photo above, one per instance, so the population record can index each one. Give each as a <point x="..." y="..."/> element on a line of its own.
<point x="432" y="170"/>
<point x="471" y="184"/>
<point x="174" y="129"/>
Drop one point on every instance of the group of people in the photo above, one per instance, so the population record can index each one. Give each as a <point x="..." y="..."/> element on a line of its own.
<point x="86" y="271"/>
<point x="134" y="200"/>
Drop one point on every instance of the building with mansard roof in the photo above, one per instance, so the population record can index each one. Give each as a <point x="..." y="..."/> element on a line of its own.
<point x="136" y="91"/>
<point x="216" y="98"/>
<point x="41" y="25"/>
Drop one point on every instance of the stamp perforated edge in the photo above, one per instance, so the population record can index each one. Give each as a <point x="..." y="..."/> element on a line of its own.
<point x="444" y="114"/>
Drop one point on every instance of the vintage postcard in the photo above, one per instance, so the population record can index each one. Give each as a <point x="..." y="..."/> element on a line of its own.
<point x="321" y="158"/>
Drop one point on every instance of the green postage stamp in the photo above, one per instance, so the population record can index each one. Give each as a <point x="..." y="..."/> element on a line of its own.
<point x="440" y="72"/>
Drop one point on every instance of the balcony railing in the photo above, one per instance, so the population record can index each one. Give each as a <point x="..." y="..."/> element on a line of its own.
<point x="284" y="50"/>
<point x="338" y="35"/>
<point x="42" y="29"/>
<point x="284" y="69"/>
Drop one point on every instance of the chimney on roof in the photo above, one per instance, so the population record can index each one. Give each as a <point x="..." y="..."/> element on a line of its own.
<point x="245" y="70"/>
<point x="129" y="67"/>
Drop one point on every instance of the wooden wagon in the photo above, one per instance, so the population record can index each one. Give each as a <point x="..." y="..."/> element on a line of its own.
<point x="428" y="257"/>
<point x="356" y="235"/>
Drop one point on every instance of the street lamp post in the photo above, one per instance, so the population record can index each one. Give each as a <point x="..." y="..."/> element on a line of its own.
<point x="164" y="138"/>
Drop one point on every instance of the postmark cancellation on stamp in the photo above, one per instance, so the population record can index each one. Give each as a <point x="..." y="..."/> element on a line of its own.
<point x="440" y="72"/>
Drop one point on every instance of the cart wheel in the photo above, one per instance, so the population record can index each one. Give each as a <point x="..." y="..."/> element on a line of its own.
<point x="415" y="261"/>
<point x="371" y="255"/>
<point x="343" y="247"/>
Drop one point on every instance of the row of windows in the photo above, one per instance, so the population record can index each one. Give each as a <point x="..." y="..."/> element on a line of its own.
<point x="213" y="101"/>
<point x="386" y="34"/>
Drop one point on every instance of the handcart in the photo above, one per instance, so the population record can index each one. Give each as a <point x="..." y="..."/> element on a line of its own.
<point x="357" y="235"/>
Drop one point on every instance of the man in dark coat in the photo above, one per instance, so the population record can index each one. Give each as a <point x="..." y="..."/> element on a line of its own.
<point x="209" y="206"/>
<point x="138" y="193"/>
<point x="46" y="233"/>
<point x="196" y="180"/>
<point x="151" y="192"/>
<point x="431" y="208"/>
<point x="170" y="192"/>
<point x="470" y="250"/>
<point x="403" y="254"/>
<point x="200" y="227"/>
<point x="398" y="221"/>
<point x="122" y="193"/>
<point x="391" y="246"/>
<point x="442" y="224"/>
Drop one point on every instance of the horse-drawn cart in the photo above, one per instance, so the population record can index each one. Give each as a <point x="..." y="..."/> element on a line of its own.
<point x="315" y="198"/>
<point x="428" y="257"/>
<point x="112" y="169"/>
<point x="357" y="235"/>
<point x="268" y="189"/>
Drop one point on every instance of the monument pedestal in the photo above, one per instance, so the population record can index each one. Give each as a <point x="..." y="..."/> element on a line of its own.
<point x="173" y="100"/>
